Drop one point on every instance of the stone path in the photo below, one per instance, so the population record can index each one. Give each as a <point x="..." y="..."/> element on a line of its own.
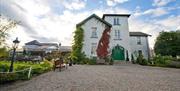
<point x="103" y="78"/>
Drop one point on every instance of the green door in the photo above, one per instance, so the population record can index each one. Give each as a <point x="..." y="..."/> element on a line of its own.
<point x="118" y="53"/>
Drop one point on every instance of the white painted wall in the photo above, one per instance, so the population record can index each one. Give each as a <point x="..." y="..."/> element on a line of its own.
<point x="124" y="33"/>
<point x="144" y="46"/>
<point x="87" y="27"/>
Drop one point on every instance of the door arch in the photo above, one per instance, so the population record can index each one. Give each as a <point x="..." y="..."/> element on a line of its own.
<point x="118" y="53"/>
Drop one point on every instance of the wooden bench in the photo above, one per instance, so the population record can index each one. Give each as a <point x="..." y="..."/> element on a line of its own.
<point x="59" y="64"/>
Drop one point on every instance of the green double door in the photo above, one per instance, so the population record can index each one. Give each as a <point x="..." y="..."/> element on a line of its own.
<point x="118" y="53"/>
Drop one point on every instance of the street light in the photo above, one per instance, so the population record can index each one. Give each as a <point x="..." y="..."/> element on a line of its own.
<point x="16" y="42"/>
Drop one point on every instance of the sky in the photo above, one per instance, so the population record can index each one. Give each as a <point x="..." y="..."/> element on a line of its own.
<point x="55" y="20"/>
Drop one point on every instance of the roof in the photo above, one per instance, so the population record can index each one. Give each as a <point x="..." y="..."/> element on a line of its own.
<point x="34" y="42"/>
<point x="126" y="15"/>
<point x="49" y="44"/>
<point x="65" y="48"/>
<point x="95" y="16"/>
<point x="138" y="34"/>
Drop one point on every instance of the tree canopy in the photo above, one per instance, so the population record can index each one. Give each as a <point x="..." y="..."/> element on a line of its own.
<point x="5" y="25"/>
<point x="168" y="43"/>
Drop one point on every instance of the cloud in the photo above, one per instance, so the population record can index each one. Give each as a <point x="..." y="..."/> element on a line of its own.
<point x="161" y="2"/>
<point x="170" y="23"/>
<point x="17" y="13"/>
<point x="114" y="2"/>
<point x="74" y="4"/>
<point x="153" y="12"/>
<point x="50" y="26"/>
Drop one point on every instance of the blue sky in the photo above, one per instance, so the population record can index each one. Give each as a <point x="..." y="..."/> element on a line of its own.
<point x="55" y="20"/>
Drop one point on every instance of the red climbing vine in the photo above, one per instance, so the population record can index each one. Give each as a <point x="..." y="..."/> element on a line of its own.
<point x="103" y="45"/>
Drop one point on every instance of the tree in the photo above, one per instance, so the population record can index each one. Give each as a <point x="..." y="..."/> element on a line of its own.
<point x="77" y="54"/>
<point x="5" y="25"/>
<point x="168" y="43"/>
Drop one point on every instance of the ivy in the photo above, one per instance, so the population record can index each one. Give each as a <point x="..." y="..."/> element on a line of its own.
<point x="77" y="54"/>
<point x="103" y="45"/>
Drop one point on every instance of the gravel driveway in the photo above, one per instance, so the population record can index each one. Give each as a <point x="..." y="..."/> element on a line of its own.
<point x="103" y="78"/>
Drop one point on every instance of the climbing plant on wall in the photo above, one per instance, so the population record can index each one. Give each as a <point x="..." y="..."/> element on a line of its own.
<point x="103" y="45"/>
<point x="77" y="54"/>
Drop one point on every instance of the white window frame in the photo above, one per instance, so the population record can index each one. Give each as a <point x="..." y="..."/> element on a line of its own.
<point x="94" y="32"/>
<point x="93" y="48"/>
<point x="139" y="41"/>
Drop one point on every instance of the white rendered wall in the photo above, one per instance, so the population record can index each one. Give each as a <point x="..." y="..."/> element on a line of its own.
<point x="144" y="46"/>
<point x="124" y="33"/>
<point x="87" y="27"/>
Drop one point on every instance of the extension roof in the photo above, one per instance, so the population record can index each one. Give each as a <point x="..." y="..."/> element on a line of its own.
<point x="138" y="34"/>
<point x="94" y="16"/>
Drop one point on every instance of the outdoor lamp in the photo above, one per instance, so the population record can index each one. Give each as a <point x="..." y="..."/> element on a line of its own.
<point x="15" y="45"/>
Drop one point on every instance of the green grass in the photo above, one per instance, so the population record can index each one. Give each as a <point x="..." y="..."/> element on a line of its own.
<point x="37" y="69"/>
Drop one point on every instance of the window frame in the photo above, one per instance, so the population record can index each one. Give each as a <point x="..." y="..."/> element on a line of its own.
<point x="139" y="40"/>
<point x="94" y="32"/>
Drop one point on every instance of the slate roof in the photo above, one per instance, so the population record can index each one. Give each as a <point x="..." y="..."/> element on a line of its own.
<point x="95" y="16"/>
<point x="126" y="15"/>
<point x="138" y="34"/>
<point x="34" y="42"/>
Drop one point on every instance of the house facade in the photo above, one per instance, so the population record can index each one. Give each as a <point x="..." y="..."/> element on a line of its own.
<point x="121" y="44"/>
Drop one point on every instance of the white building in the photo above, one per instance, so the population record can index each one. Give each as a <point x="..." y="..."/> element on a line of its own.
<point x="122" y="43"/>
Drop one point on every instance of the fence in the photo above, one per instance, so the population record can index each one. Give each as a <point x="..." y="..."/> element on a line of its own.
<point x="16" y="75"/>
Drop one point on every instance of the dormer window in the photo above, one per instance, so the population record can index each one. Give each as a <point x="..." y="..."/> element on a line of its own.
<point x="94" y="32"/>
<point x="116" y="21"/>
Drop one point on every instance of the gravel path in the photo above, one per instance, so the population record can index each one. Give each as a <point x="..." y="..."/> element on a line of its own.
<point x="103" y="78"/>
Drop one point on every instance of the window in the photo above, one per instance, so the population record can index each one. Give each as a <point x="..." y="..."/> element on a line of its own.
<point x="117" y="34"/>
<point x="140" y="52"/>
<point x="139" y="40"/>
<point x="94" y="32"/>
<point x="93" y="48"/>
<point x="116" y="21"/>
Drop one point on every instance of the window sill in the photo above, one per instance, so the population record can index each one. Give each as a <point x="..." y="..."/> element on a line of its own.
<point x="117" y="39"/>
<point x="93" y="37"/>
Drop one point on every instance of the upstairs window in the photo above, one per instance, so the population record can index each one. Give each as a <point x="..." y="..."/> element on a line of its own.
<point x="93" y="48"/>
<point x="94" y="32"/>
<point x="139" y="40"/>
<point x="117" y="34"/>
<point x="116" y="21"/>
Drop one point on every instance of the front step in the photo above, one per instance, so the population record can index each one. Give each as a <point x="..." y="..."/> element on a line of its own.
<point x="117" y="62"/>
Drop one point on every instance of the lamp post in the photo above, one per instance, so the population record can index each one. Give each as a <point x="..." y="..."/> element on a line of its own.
<point x="16" y="42"/>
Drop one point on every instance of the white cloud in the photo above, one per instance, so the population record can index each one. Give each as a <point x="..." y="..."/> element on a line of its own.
<point x="74" y="4"/>
<point x="52" y="27"/>
<point x="114" y="2"/>
<point x="162" y="2"/>
<point x="171" y="23"/>
<point x="154" y="12"/>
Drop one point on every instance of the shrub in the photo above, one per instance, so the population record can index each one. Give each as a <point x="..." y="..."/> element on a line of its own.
<point x="161" y="60"/>
<point x="4" y="67"/>
<point x="141" y="60"/>
<point x="21" y="70"/>
<point x="92" y="61"/>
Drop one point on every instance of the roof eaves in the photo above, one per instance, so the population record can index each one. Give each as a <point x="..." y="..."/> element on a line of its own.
<point x="93" y="15"/>
<point x="127" y="15"/>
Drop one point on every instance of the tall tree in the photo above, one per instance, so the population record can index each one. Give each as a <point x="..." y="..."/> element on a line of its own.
<point x="77" y="54"/>
<point x="168" y="43"/>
